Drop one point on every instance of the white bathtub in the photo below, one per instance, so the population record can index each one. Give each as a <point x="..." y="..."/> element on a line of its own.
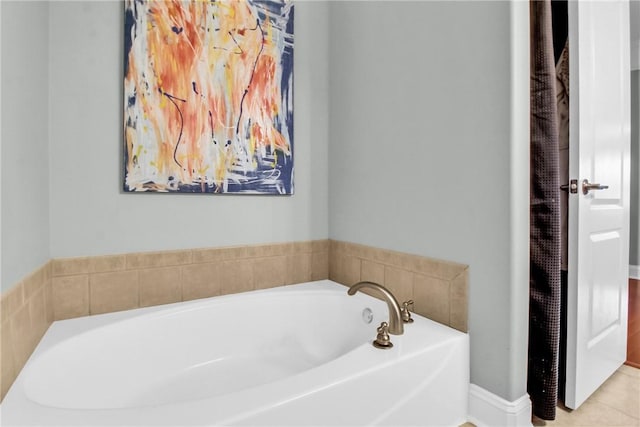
<point x="294" y="355"/>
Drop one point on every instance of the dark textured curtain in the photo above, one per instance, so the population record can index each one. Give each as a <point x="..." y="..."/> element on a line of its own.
<point x="544" y="280"/>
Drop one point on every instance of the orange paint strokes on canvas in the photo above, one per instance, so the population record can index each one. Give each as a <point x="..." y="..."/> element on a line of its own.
<point x="208" y="79"/>
<point x="262" y="102"/>
<point x="174" y="41"/>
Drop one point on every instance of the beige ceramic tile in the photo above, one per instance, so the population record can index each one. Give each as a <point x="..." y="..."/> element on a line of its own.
<point x="38" y="314"/>
<point x="256" y="251"/>
<point x="70" y="296"/>
<point x="348" y="270"/>
<point x="593" y="414"/>
<point x="293" y="248"/>
<point x="7" y="365"/>
<point x="274" y="249"/>
<point x="409" y="262"/>
<point x="319" y="265"/>
<point x="621" y="392"/>
<point x="157" y="259"/>
<point x="48" y="301"/>
<point x="382" y="256"/>
<point x="351" y="269"/>
<point x="344" y="248"/>
<point x="113" y="291"/>
<point x="339" y="247"/>
<point x="403" y="261"/>
<point x="333" y="246"/>
<point x="201" y="281"/>
<point x="23" y="341"/>
<point x="399" y="282"/>
<point x="387" y="257"/>
<point x="369" y="252"/>
<point x="358" y="251"/>
<point x="431" y="298"/>
<point x="6" y="381"/>
<point x="209" y="255"/>
<point x="206" y="255"/>
<point x="406" y="261"/>
<point x="629" y="370"/>
<point x="438" y="268"/>
<point x="107" y="263"/>
<point x="415" y="263"/>
<point x="47" y="270"/>
<point x="320" y="245"/>
<point x="363" y="251"/>
<point x="372" y="272"/>
<point x="69" y="266"/>
<point x="33" y="283"/>
<point x="302" y="247"/>
<point x="378" y="255"/>
<point x="160" y="286"/>
<point x="11" y="301"/>
<point x="459" y="302"/>
<point x="299" y="268"/>
<point x="236" y="276"/>
<point x="333" y="265"/>
<point x="269" y="272"/>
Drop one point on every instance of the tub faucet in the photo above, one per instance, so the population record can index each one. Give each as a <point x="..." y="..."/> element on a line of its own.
<point x="395" y="317"/>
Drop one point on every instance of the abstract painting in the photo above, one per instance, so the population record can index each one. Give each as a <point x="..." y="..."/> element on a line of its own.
<point x="208" y="96"/>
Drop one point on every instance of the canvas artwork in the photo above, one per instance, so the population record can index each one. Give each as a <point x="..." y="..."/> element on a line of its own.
<point x="208" y="96"/>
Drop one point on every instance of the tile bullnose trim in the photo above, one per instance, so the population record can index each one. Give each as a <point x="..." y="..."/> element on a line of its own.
<point x="155" y="259"/>
<point x="441" y="269"/>
<point x="69" y="266"/>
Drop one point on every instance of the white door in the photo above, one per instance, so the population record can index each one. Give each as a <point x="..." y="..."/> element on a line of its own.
<point x="599" y="220"/>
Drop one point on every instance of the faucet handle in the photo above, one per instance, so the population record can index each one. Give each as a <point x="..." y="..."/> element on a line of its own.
<point x="382" y="340"/>
<point x="405" y="313"/>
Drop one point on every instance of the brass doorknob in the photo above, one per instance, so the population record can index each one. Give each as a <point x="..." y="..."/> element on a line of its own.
<point x="587" y="186"/>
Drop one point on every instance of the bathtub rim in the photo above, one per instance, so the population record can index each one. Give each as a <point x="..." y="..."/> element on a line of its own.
<point x="72" y="327"/>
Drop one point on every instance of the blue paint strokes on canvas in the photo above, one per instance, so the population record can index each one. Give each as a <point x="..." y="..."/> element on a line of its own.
<point x="129" y="22"/>
<point x="255" y="151"/>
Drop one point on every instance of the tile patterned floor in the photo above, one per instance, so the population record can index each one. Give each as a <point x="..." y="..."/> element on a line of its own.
<point x="615" y="403"/>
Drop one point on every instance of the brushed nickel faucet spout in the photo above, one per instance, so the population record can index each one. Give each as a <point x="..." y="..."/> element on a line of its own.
<point x="396" y="326"/>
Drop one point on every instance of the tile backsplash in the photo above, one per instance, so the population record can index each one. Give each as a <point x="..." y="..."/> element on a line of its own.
<point x="438" y="288"/>
<point x="26" y="314"/>
<point x="72" y="287"/>
<point x="92" y="285"/>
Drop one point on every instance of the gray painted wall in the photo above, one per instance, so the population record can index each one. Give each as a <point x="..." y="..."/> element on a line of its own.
<point x="90" y="216"/>
<point x="419" y="158"/>
<point x="25" y="132"/>
<point x="634" y="18"/>
<point x="420" y="155"/>
<point x="634" y="252"/>
<point x="61" y="165"/>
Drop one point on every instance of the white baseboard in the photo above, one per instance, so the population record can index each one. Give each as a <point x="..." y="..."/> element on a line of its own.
<point x="634" y="272"/>
<point x="488" y="409"/>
